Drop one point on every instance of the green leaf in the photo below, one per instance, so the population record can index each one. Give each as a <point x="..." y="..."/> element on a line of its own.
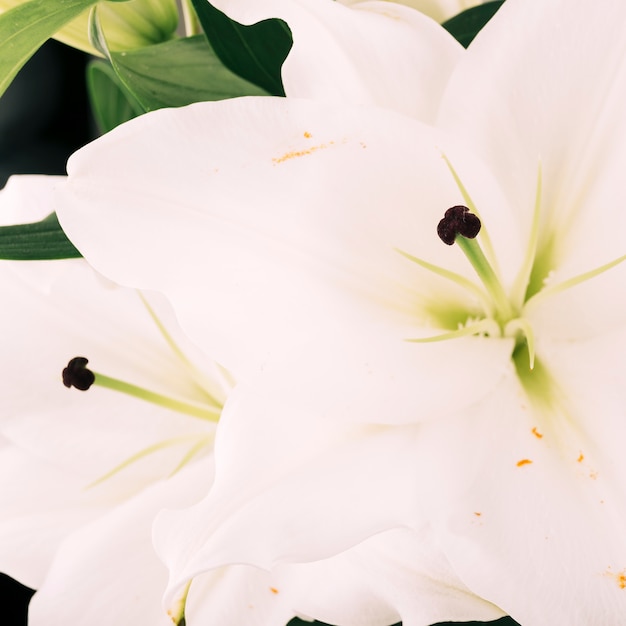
<point x="178" y="72"/>
<point x="111" y="104"/>
<point x="24" y="28"/>
<point x="37" y="241"/>
<point x="255" y="52"/>
<point x="465" y="26"/>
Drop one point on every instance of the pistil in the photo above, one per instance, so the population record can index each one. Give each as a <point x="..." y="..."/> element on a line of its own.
<point x="76" y="374"/>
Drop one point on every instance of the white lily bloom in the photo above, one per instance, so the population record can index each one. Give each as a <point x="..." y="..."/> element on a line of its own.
<point x="306" y="233"/>
<point x="84" y="474"/>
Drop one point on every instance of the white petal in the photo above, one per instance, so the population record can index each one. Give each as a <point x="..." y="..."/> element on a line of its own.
<point x="356" y="481"/>
<point x="306" y="246"/>
<point x="591" y="308"/>
<point x="89" y="432"/>
<point x="316" y="490"/>
<point x="519" y="509"/>
<point x="369" y="376"/>
<point x="440" y="10"/>
<point x="398" y="575"/>
<point x="238" y="594"/>
<point x="545" y="83"/>
<point x="378" y="53"/>
<point x="107" y="572"/>
<point x="40" y="505"/>
<point x="27" y="198"/>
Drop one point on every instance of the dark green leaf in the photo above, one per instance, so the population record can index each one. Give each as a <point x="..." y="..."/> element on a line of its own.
<point x="465" y="26"/>
<point x="36" y="242"/>
<point x="255" y="52"/>
<point x="24" y="28"/>
<point x="178" y="72"/>
<point x="111" y="103"/>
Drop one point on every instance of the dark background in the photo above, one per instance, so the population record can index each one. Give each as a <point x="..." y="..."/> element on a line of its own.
<point x="44" y="113"/>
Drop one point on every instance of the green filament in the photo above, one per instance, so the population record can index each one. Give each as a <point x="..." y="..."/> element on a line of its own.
<point x="209" y="413"/>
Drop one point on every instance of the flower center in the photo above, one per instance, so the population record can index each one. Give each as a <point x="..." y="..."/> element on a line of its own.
<point x="207" y="406"/>
<point x="504" y="311"/>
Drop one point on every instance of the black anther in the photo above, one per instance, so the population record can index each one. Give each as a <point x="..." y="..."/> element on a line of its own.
<point x="77" y="375"/>
<point x="458" y="221"/>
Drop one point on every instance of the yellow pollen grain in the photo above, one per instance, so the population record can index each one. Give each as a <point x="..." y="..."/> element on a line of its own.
<point x="477" y="513"/>
<point x="536" y="433"/>
<point x="293" y="154"/>
<point x="581" y="458"/>
<point x="273" y="590"/>
<point x="523" y="462"/>
<point x="307" y="134"/>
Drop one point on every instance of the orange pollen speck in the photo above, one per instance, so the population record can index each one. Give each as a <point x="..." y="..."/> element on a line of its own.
<point x="273" y="590"/>
<point x="620" y="577"/>
<point x="477" y="513"/>
<point x="581" y="458"/>
<point x="299" y="153"/>
<point x="308" y="135"/>
<point x="523" y="462"/>
<point x="536" y="433"/>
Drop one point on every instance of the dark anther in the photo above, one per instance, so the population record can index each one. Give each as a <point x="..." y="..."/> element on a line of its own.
<point x="77" y="375"/>
<point x="458" y="221"/>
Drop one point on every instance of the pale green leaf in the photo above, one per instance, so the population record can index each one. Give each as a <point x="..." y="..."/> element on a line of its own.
<point x="26" y="27"/>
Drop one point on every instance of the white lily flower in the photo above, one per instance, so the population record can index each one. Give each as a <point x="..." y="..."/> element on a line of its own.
<point x="83" y="475"/>
<point x="306" y="232"/>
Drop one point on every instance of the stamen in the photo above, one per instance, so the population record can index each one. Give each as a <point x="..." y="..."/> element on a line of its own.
<point x="454" y="277"/>
<point x="458" y="221"/>
<point x="486" y="326"/>
<point x="489" y="251"/>
<point x="461" y="226"/>
<point x="202" y="382"/>
<point x="572" y="282"/>
<point x="76" y="374"/>
<point x="522" y="281"/>
<point x="138" y="456"/>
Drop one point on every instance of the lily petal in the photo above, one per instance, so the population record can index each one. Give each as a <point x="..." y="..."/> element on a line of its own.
<point x="40" y="505"/>
<point x="536" y="517"/>
<point x="240" y="594"/>
<point x="343" y="53"/>
<point x="112" y="563"/>
<point x="348" y="497"/>
<point x="399" y="575"/>
<point x="439" y="10"/>
<point x="82" y="316"/>
<point x="341" y="243"/>
<point x="552" y="98"/>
